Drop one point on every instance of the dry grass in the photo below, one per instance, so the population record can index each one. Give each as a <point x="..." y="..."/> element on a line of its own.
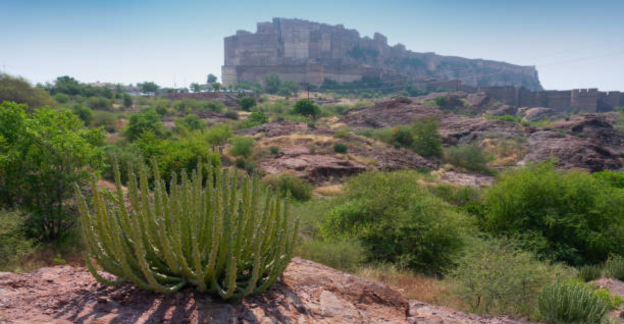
<point x="298" y="139"/>
<point x="368" y="162"/>
<point x="412" y="285"/>
<point x="329" y="190"/>
<point x="507" y="152"/>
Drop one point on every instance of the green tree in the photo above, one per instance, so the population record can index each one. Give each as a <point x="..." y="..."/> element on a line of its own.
<point x="147" y="87"/>
<point x="147" y="120"/>
<point x="247" y="103"/>
<point x="19" y="90"/>
<point x="216" y="86"/>
<point x="196" y="87"/>
<point x="427" y="141"/>
<point x="242" y="146"/>
<point x="564" y="215"/>
<point x="189" y="122"/>
<point x="211" y="79"/>
<point x="218" y="136"/>
<point x="272" y="83"/>
<point x="127" y="100"/>
<point x="84" y="113"/>
<point x="41" y="156"/>
<point x="307" y="108"/>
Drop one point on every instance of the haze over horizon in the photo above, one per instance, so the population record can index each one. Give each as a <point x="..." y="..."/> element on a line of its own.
<point x="573" y="44"/>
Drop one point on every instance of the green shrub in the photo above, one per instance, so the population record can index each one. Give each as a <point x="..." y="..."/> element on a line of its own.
<point x="274" y="150"/>
<point x="564" y="215"/>
<point x="61" y="98"/>
<point x="402" y="137"/>
<point x="84" y="113"/>
<point x="19" y="90"/>
<point x="615" y="179"/>
<point x="145" y="121"/>
<point x="342" y="133"/>
<point x="100" y="103"/>
<point x="426" y="139"/>
<point x="242" y="146"/>
<point x="231" y="114"/>
<point x="495" y="276"/>
<point x="220" y="239"/>
<point x="397" y="221"/>
<point x="341" y="254"/>
<point x="189" y="122"/>
<point x="127" y="100"/>
<point x="508" y="118"/>
<point x="288" y="185"/>
<point x="127" y="156"/>
<point x="14" y="242"/>
<point x="106" y="119"/>
<point x="590" y="272"/>
<point x="470" y="157"/>
<point x="615" y="267"/>
<point x="247" y="103"/>
<point x="455" y="195"/>
<point x="340" y="147"/>
<point x="307" y="108"/>
<point x="571" y="303"/>
<point x="441" y="101"/>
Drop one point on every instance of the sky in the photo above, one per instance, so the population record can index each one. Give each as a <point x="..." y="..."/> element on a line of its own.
<point x="573" y="44"/>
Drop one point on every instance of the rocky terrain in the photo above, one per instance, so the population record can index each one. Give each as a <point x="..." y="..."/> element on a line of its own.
<point x="308" y="293"/>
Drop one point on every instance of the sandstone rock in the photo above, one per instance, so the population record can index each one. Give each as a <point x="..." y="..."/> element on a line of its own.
<point x="313" y="167"/>
<point x="538" y="114"/>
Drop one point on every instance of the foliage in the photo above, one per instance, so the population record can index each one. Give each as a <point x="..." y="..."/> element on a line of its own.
<point x="441" y="101"/>
<point x="274" y="150"/>
<point x="148" y="87"/>
<point x="288" y="185"/>
<point x="211" y="79"/>
<point x="127" y="100"/>
<point x="288" y="88"/>
<point x="126" y="156"/>
<point x="256" y="118"/>
<point x="615" y="267"/>
<point x="41" y="155"/>
<point x="84" y="113"/>
<point x="100" y="103"/>
<point x="242" y="146"/>
<point x="105" y="119"/>
<point x="272" y="83"/>
<point x="397" y="221"/>
<point x="20" y="91"/>
<point x="14" y="242"/>
<point x="496" y="276"/>
<point x="342" y="133"/>
<point x="340" y="147"/>
<point x="218" y="239"/>
<point x="508" y="118"/>
<point x="341" y="254"/>
<point x="571" y="303"/>
<point x="470" y="157"/>
<point x="307" y="108"/>
<point x="247" y="103"/>
<point x="189" y="105"/>
<point x="231" y="114"/>
<point x="615" y="179"/>
<point x="61" y="98"/>
<point x="189" y="122"/>
<point x="427" y="141"/>
<point x="566" y="216"/>
<point x="70" y="86"/>
<point x="590" y="272"/>
<point x="147" y="120"/>
<point x="219" y="135"/>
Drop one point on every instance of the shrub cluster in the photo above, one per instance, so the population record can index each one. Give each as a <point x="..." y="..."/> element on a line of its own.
<point x="571" y="303"/>
<point x="288" y="185"/>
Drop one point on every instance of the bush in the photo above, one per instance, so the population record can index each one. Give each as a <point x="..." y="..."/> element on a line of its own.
<point x="341" y="254"/>
<point x="147" y="120"/>
<point x="61" y="98"/>
<point x="397" y="221"/>
<point x="289" y="185"/>
<point x="340" y="148"/>
<point x="307" y="108"/>
<point x="441" y="101"/>
<point x="105" y="119"/>
<point x="84" y="113"/>
<point x="42" y="155"/>
<point x="127" y="100"/>
<point x="426" y="139"/>
<point x="247" y="103"/>
<point x="566" y="216"/>
<point x="229" y="255"/>
<point x="21" y="91"/>
<point x="189" y="122"/>
<point x="571" y="303"/>
<point x="470" y="157"/>
<point x="508" y="118"/>
<point x="615" y="267"/>
<point x="590" y="272"/>
<point x="231" y="114"/>
<point x="496" y="276"/>
<point x="14" y="242"/>
<point x="342" y="133"/>
<point x="274" y="150"/>
<point x="100" y="103"/>
<point x="218" y="136"/>
<point x="242" y="146"/>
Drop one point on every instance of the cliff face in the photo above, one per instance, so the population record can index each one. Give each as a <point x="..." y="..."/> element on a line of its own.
<point x="304" y="51"/>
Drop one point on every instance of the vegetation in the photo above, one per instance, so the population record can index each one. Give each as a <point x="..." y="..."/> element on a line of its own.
<point x="14" y="241"/>
<point x="307" y="108"/>
<point x="41" y="156"/>
<point x="470" y="157"/>
<point x="20" y="91"/>
<point x="242" y="146"/>
<point x="565" y="216"/>
<point x="571" y="303"/>
<point x="590" y="272"/>
<point x="207" y="237"/>
<point x="289" y="186"/>
<point x="397" y="221"/>
<point x="218" y="136"/>
<point x="340" y="147"/>
<point x="247" y="103"/>
<point x="147" y="120"/>
<point x="426" y="139"/>
<point x="615" y="267"/>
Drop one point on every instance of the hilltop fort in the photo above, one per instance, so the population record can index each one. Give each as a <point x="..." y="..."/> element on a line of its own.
<point x="309" y="53"/>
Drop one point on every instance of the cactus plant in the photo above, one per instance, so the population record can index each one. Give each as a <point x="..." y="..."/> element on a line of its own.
<point x="218" y="237"/>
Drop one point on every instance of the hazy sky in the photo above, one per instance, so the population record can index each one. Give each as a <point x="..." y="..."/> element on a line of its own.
<point x="574" y="44"/>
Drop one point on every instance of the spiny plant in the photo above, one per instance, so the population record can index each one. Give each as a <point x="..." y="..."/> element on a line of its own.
<point x="590" y="272"/>
<point x="571" y="303"/>
<point x="215" y="237"/>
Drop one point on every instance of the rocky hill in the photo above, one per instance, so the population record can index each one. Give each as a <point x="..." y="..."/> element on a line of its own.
<point x="308" y="52"/>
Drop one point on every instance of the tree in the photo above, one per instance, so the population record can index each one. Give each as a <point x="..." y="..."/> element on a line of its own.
<point x="218" y="136"/>
<point x="127" y="100"/>
<point x="216" y="86"/>
<point x="42" y="155"/>
<point x="307" y="108"/>
<point x="211" y="79"/>
<point x="148" y="120"/>
<point x="196" y="87"/>
<point x="84" y="113"/>
<point x="147" y="87"/>
<point x="242" y="146"/>
<point x="272" y="83"/>
<point x="427" y="141"/>
<point x="247" y="103"/>
<point x="19" y="90"/>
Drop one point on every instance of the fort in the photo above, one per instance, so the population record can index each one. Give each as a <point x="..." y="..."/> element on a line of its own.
<point x="309" y="53"/>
